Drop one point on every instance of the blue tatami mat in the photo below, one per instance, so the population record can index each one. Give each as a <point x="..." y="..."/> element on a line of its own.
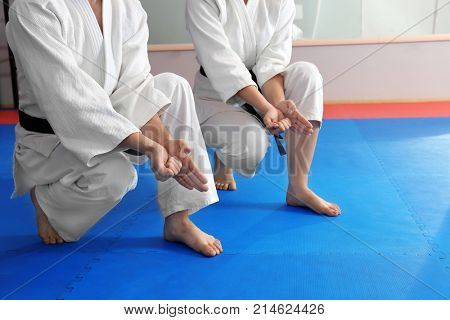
<point x="391" y="178"/>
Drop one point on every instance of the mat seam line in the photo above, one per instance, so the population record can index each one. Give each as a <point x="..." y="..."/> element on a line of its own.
<point x="117" y="234"/>
<point x="435" y="249"/>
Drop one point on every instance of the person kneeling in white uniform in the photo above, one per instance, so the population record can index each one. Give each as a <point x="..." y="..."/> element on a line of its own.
<point x="88" y="101"/>
<point x="242" y="45"/>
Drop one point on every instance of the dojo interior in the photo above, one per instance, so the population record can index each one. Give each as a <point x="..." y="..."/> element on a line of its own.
<point x="383" y="155"/>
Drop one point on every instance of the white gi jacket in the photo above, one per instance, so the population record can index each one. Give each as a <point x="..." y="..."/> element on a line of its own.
<point x="232" y="38"/>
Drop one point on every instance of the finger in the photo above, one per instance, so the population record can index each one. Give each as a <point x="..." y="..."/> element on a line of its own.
<point x="197" y="173"/>
<point x="197" y="183"/>
<point x="286" y="124"/>
<point x="187" y="181"/>
<point x="181" y="181"/>
<point x="174" y="165"/>
<point x="171" y="170"/>
<point x="296" y="130"/>
<point x="291" y="111"/>
<point x="287" y="121"/>
<point x="302" y="120"/>
<point x="302" y="128"/>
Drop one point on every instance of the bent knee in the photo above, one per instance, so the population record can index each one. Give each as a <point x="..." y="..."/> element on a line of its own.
<point x="119" y="177"/>
<point x="172" y="81"/>
<point x="247" y="150"/>
<point x="304" y="71"/>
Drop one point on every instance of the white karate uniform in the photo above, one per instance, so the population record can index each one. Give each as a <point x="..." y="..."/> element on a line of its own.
<point x="231" y="38"/>
<point x="95" y="89"/>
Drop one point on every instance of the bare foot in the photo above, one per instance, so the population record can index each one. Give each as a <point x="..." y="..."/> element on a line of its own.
<point x="307" y="198"/>
<point x="223" y="176"/>
<point x="179" y="228"/>
<point x="45" y="230"/>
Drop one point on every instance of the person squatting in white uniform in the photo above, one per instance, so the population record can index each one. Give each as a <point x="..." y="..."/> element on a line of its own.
<point x="84" y="76"/>
<point x="234" y="38"/>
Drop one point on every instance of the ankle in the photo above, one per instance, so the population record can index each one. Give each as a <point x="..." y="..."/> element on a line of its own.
<point x="294" y="188"/>
<point x="178" y="218"/>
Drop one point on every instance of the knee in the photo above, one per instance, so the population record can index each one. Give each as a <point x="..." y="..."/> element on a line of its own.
<point x="304" y="72"/>
<point x="245" y="151"/>
<point x="257" y="143"/>
<point x="119" y="177"/>
<point x="178" y="90"/>
<point x="174" y="82"/>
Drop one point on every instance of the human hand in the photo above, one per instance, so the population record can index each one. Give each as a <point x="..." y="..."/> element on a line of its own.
<point x="276" y="121"/>
<point x="163" y="165"/>
<point x="299" y="123"/>
<point x="190" y="175"/>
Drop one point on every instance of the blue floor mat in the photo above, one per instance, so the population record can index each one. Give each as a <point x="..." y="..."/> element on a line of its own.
<point x="391" y="178"/>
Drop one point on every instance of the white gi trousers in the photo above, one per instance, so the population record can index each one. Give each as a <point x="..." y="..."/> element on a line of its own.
<point x="240" y="140"/>
<point x="75" y="197"/>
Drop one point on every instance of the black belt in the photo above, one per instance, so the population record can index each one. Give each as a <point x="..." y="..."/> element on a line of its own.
<point x="39" y="125"/>
<point x="253" y="112"/>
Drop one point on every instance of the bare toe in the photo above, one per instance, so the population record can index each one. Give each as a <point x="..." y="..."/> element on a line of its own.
<point x="218" y="245"/>
<point x="216" y="250"/>
<point x="223" y="176"/>
<point x="45" y="239"/>
<point x="208" y="251"/>
<point x="336" y="207"/>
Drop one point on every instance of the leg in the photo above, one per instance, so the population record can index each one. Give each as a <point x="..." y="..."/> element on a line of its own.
<point x="45" y="229"/>
<point x="240" y="142"/>
<point x="303" y="85"/>
<point x="69" y="207"/>
<point x="176" y="202"/>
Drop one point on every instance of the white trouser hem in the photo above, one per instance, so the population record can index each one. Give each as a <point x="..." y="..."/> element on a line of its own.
<point x="192" y="207"/>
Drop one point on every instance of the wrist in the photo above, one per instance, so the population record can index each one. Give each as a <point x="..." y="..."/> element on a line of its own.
<point x="276" y="103"/>
<point x="267" y="107"/>
<point x="150" y="146"/>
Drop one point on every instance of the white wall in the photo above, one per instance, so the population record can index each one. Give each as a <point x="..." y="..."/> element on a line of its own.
<point x="399" y="71"/>
<point x="393" y="17"/>
<point x="166" y="21"/>
<point x="337" y="19"/>
<point x="403" y="71"/>
<point x="443" y="21"/>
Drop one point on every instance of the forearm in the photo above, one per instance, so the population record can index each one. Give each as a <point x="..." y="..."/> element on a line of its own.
<point x="138" y="142"/>
<point x="273" y="90"/>
<point x="253" y="97"/>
